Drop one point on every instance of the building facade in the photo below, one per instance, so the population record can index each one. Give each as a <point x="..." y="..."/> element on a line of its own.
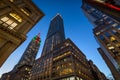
<point x="107" y="33"/>
<point x="109" y="7"/>
<point x="17" y="17"/>
<point x="22" y="70"/>
<point x="62" y="60"/>
<point x="96" y="72"/>
<point x="109" y="63"/>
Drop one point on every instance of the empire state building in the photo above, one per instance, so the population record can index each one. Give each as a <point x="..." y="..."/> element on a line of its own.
<point x="23" y="68"/>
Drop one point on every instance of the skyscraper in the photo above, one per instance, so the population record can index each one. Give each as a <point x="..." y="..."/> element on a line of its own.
<point x="22" y="70"/>
<point x="61" y="59"/>
<point x="55" y="34"/>
<point x="107" y="33"/>
<point x="17" y="18"/>
<point x="30" y="53"/>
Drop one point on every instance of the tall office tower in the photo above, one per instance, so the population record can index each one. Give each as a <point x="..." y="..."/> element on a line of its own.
<point x="63" y="60"/>
<point x="109" y="7"/>
<point x="17" y="18"/>
<point x="22" y="70"/>
<point x="107" y="33"/>
<point x="55" y="34"/>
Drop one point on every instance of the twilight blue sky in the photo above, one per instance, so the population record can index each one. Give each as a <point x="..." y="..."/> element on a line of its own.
<point x="77" y="28"/>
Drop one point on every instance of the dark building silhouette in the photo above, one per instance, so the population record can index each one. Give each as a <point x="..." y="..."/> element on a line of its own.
<point x="22" y="70"/>
<point x="17" y="18"/>
<point x="61" y="59"/>
<point x="107" y="33"/>
<point x="96" y="72"/>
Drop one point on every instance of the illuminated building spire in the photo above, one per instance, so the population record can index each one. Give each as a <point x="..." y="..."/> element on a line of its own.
<point x="37" y="39"/>
<point x="30" y="53"/>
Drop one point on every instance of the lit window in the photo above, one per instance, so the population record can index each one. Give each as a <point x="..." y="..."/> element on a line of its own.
<point x="72" y="78"/>
<point x="111" y="47"/>
<point x="6" y="22"/>
<point x="25" y="12"/>
<point x="66" y="44"/>
<point x="11" y="0"/>
<point x="15" y="16"/>
<point x="118" y="45"/>
<point x="13" y="25"/>
<point x="97" y="33"/>
<point x="115" y="24"/>
<point x="112" y="38"/>
<point x="58" y="67"/>
<point x="108" y="44"/>
<point x="4" y="19"/>
<point x="113" y="31"/>
<point x="81" y="79"/>
<point x="9" y="21"/>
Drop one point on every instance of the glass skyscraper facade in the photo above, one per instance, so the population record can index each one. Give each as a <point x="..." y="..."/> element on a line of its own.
<point x="109" y="7"/>
<point x="55" y="34"/>
<point x="107" y="33"/>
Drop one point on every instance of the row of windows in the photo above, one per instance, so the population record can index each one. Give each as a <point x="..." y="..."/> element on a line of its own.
<point x="40" y="77"/>
<point x="62" y="61"/>
<point x="108" y="35"/>
<point x="61" y="56"/>
<point x="12" y="20"/>
<point x="62" y="66"/>
<point x="25" y="9"/>
<point x="62" y="72"/>
<point x="80" y="59"/>
<point x="115" y="25"/>
<point x="113" y="45"/>
<point x="16" y="17"/>
<point x="72" y="78"/>
<point x="7" y="22"/>
<point x="42" y="65"/>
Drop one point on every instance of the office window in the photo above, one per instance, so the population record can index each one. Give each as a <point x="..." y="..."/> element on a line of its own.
<point x="24" y="11"/>
<point x="101" y="37"/>
<point x="111" y="47"/>
<point x="118" y="27"/>
<point x="118" y="45"/>
<point x="13" y="25"/>
<point x="107" y="34"/>
<point x="16" y="17"/>
<point x="4" y="19"/>
<point x="97" y="33"/>
<point x="7" y="22"/>
<point x="11" y="0"/>
<point x="113" y="31"/>
<point x="114" y="24"/>
<point x="113" y="39"/>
